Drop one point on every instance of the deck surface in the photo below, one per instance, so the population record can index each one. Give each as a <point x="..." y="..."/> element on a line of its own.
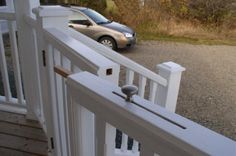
<point x="21" y="137"/>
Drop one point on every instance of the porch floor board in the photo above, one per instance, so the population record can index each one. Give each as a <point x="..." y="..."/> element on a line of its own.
<point x="21" y="137"/>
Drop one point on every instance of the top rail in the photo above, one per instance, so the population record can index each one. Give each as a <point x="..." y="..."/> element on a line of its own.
<point x="74" y="50"/>
<point x="150" y="126"/>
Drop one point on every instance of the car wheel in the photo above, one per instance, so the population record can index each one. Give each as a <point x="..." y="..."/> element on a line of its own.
<point x="108" y="42"/>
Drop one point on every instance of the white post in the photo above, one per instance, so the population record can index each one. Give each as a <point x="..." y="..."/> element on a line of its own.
<point x="28" y="55"/>
<point x="56" y="17"/>
<point x="110" y="132"/>
<point x="10" y="5"/>
<point x="167" y="96"/>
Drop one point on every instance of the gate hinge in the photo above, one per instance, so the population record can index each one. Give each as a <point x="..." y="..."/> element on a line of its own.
<point x="52" y="143"/>
<point x="44" y="58"/>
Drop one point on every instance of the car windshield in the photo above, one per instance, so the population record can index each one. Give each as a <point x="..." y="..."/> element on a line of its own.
<point x="95" y="16"/>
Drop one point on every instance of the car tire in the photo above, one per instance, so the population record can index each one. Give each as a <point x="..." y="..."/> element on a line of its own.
<point x="108" y="42"/>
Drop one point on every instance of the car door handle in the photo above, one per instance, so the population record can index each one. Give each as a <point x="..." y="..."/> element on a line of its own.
<point x="71" y="26"/>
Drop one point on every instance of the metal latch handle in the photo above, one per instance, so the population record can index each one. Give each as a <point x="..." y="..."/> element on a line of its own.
<point x="129" y="91"/>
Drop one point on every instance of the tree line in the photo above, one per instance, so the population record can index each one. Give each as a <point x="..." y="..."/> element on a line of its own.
<point x="99" y="5"/>
<point x="204" y="11"/>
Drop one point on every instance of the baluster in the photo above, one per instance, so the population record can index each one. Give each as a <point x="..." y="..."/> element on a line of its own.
<point x="141" y="91"/>
<point x="61" y="105"/>
<point x="16" y="65"/>
<point x="152" y="93"/>
<point x="53" y="100"/>
<point x="129" y="76"/>
<point x="75" y="69"/>
<point x="74" y="126"/>
<point x="88" y="130"/>
<point x="65" y="62"/>
<point x="87" y="124"/>
<point x="4" y="71"/>
<point x="142" y="85"/>
<point x="100" y="136"/>
<point x="129" y="80"/>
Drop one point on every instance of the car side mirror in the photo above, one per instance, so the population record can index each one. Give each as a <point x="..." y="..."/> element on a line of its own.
<point x="71" y="26"/>
<point x="87" y="23"/>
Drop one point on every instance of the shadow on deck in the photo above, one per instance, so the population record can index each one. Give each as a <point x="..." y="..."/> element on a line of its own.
<point x="21" y="137"/>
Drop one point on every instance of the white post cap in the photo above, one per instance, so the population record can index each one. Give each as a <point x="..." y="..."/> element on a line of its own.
<point x="171" y="67"/>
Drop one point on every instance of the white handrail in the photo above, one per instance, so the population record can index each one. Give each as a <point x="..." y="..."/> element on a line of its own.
<point x="75" y="50"/>
<point x="158" y="130"/>
<point x="166" y="83"/>
<point x="122" y="60"/>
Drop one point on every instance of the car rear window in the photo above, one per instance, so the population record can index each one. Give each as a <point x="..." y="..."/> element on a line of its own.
<point x="77" y="16"/>
<point x="95" y="16"/>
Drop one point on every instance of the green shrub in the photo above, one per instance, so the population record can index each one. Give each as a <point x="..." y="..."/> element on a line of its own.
<point x="215" y="12"/>
<point x="211" y="11"/>
<point x="129" y="11"/>
<point x="99" y="5"/>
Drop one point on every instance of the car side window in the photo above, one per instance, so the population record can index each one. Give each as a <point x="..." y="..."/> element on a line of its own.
<point x="78" y="18"/>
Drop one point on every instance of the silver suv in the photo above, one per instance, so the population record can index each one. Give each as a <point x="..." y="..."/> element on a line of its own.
<point x="111" y="34"/>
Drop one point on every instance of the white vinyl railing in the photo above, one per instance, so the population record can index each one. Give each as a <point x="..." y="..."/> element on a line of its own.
<point x="47" y="49"/>
<point x="74" y="57"/>
<point x="71" y="53"/>
<point x="162" y="89"/>
<point x="158" y="131"/>
<point x="57" y="49"/>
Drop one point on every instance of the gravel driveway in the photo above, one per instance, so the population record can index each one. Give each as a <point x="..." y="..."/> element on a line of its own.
<point x="208" y="87"/>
